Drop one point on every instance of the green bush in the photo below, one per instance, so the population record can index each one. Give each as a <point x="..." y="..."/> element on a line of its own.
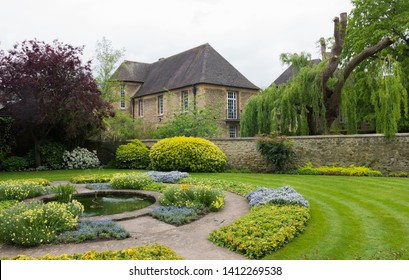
<point x="22" y="189"/>
<point x="51" y="155"/>
<point x="277" y="150"/>
<point x="4" y="204"/>
<point x="399" y="174"/>
<point x="187" y="154"/>
<point x="147" y="252"/>
<point x="14" y="163"/>
<point x="31" y="224"/>
<point x="134" y="155"/>
<point x="264" y="230"/>
<point x="135" y="181"/>
<point x="199" y="196"/>
<point x="352" y="170"/>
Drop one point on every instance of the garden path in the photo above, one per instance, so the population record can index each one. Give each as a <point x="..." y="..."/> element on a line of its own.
<point x="188" y="241"/>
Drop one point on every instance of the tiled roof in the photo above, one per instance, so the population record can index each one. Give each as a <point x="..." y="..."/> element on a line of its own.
<point x="200" y="65"/>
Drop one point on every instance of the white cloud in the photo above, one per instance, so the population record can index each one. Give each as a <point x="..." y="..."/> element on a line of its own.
<point x="249" y="34"/>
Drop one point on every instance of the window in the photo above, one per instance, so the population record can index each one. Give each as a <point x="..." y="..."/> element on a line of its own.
<point x="232" y="131"/>
<point x="185" y="101"/>
<point x="140" y="105"/>
<point x="160" y="105"/>
<point x="122" y="98"/>
<point x="232" y="105"/>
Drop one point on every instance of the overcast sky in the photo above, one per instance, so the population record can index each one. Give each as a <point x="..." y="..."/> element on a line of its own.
<point x="250" y="34"/>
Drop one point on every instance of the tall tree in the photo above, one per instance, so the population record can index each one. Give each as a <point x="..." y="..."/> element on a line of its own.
<point x="375" y="27"/>
<point x="47" y="86"/>
<point x="107" y="60"/>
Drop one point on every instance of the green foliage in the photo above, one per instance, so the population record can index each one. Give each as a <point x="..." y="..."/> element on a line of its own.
<point x="187" y="154"/>
<point x="35" y="223"/>
<point x="63" y="193"/>
<point x="196" y="123"/>
<point x="14" y="163"/>
<point x="22" y="189"/>
<point x="119" y="127"/>
<point x="352" y="170"/>
<point x="147" y="252"/>
<point x="199" y="196"/>
<point x="399" y="174"/>
<point x="135" y="181"/>
<point x="134" y="155"/>
<point x="227" y="185"/>
<point x="51" y="154"/>
<point x="264" y="230"/>
<point x="277" y="150"/>
<point x="4" y="204"/>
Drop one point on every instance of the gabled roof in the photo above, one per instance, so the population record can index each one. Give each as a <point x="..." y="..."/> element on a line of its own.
<point x="288" y="73"/>
<point x="200" y="65"/>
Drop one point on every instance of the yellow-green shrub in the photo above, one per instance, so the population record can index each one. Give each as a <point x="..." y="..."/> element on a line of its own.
<point x="187" y="154"/>
<point x="147" y="252"/>
<point x="352" y="170"/>
<point x="94" y="178"/>
<point x="134" y="155"/>
<point x="31" y="224"/>
<point x="264" y="230"/>
<point x="135" y="181"/>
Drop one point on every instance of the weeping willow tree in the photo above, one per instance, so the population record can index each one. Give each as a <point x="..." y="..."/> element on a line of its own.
<point x="256" y="117"/>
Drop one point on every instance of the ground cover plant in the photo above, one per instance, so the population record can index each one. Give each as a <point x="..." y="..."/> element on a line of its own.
<point x="92" y="230"/>
<point x="147" y="252"/>
<point x="176" y="215"/>
<point x="167" y="177"/>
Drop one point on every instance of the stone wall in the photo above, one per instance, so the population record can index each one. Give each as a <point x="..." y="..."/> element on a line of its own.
<point x="373" y="150"/>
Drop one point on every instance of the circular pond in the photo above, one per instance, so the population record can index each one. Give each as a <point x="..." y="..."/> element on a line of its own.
<point x="105" y="203"/>
<point x="110" y="203"/>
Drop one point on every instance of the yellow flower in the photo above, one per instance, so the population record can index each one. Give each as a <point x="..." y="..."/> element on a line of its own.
<point x="185" y="187"/>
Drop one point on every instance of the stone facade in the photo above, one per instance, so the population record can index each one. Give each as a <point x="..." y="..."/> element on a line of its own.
<point x="204" y="96"/>
<point x="371" y="149"/>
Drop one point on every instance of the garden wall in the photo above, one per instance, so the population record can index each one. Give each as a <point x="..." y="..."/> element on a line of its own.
<point x="371" y="149"/>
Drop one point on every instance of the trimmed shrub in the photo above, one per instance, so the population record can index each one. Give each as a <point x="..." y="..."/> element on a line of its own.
<point x="14" y="163"/>
<point x="167" y="177"/>
<point x="92" y="230"/>
<point x="283" y="195"/>
<point x="264" y="230"/>
<point x="22" y="189"/>
<point x="147" y="252"/>
<point x="187" y="154"/>
<point x="200" y="196"/>
<point x="135" y="181"/>
<point x="80" y="158"/>
<point x="31" y="224"/>
<point x="352" y="170"/>
<point x="134" y="155"/>
<point x="175" y="215"/>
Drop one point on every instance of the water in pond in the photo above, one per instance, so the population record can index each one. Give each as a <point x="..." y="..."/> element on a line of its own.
<point x="109" y="204"/>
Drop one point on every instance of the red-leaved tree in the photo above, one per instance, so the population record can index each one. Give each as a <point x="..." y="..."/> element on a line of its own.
<point x="44" y="86"/>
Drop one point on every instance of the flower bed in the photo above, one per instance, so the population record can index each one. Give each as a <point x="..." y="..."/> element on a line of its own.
<point x="283" y="195"/>
<point x="22" y="189"/>
<point x="264" y="230"/>
<point x="147" y="252"/>
<point x="167" y="177"/>
<point x="175" y="215"/>
<point x="352" y="170"/>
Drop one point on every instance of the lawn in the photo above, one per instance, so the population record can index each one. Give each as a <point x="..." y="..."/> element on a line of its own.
<point x="351" y="217"/>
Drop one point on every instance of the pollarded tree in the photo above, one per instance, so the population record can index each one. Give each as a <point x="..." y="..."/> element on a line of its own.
<point x="376" y="38"/>
<point x="47" y="86"/>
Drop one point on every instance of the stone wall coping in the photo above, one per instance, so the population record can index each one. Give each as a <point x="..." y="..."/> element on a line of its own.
<point x="397" y="135"/>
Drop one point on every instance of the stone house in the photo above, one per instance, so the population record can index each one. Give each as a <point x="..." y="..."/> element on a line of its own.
<point x="197" y="77"/>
